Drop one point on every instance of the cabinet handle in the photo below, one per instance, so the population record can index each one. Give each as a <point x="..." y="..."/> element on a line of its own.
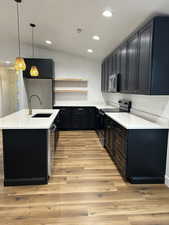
<point x="54" y="127"/>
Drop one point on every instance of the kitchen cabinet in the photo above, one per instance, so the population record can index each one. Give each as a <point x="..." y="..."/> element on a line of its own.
<point x="76" y="118"/>
<point x="28" y="155"/>
<point x="132" y="64"/>
<point x="91" y="118"/>
<point x="145" y="48"/>
<point x="108" y="135"/>
<point x="80" y="119"/>
<point x="143" y="60"/>
<point x="139" y="154"/>
<point x="100" y="125"/>
<point x="64" y="119"/>
<point x="116" y="62"/>
<point x="105" y="75"/>
<point x="46" y="68"/>
<point x="123" y="68"/>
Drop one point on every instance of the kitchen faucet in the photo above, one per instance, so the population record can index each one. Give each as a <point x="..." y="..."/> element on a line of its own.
<point x="30" y="103"/>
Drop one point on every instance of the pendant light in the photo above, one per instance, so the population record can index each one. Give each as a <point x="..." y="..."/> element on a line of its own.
<point x="19" y="63"/>
<point x="34" y="71"/>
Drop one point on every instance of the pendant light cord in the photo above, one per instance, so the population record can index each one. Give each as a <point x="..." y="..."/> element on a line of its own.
<point x="33" y="48"/>
<point x="18" y="21"/>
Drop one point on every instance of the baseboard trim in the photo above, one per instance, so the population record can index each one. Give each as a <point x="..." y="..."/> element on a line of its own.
<point x="166" y="180"/>
<point x="26" y="181"/>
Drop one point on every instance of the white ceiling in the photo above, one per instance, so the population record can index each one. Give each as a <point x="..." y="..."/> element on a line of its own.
<point x="57" y="20"/>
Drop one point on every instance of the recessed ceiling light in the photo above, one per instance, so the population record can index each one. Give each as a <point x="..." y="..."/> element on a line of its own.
<point x="107" y="13"/>
<point x="8" y="62"/>
<point x="95" y="37"/>
<point x="90" y="50"/>
<point x="48" y="42"/>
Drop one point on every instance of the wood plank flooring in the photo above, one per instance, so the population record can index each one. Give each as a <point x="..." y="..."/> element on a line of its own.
<point x="85" y="189"/>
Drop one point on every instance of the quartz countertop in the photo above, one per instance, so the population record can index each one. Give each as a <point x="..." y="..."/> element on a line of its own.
<point x="21" y="120"/>
<point x="130" y="121"/>
<point x="98" y="106"/>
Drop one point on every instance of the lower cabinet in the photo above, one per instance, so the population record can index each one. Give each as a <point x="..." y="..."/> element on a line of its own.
<point x="109" y="135"/>
<point x="76" y="118"/>
<point x="28" y="155"/>
<point x="63" y="120"/>
<point x="140" y="155"/>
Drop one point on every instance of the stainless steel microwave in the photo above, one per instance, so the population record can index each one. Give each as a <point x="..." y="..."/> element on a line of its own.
<point x="114" y="83"/>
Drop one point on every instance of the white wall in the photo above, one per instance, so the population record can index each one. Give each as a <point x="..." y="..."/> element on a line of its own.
<point x="154" y="108"/>
<point x="66" y="65"/>
<point x="8" y="91"/>
<point x="73" y="66"/>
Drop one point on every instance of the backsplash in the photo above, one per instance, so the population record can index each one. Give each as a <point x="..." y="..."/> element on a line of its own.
<point x="154" y="108"/>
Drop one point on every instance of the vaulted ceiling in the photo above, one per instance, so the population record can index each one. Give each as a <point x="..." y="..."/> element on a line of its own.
<point x="58" y="20"/>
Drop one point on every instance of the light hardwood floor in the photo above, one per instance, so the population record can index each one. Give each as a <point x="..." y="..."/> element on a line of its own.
<point x="85" y="189"/>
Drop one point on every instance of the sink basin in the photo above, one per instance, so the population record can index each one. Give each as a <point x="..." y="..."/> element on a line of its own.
<point x="41" y="115"/>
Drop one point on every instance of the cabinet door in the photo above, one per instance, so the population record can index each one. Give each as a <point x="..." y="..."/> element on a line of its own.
<point x="114" y="63"/>
<point x="132" y="64"/>
<point x="111" y="64"/>
<point x="145" y="49"/>
<point x="45" y="67"/>
<point x="91" y="116"/>
<point x="103" y="77"/>
<point x="80" y="118"/>
<point x="123" y="68"/>
<point x="118" y="61"/>
<point x="120" y="149"/>
<point x="107" y="71"/>
<point x="65" y="119"/>
<point x="108" y="134"/>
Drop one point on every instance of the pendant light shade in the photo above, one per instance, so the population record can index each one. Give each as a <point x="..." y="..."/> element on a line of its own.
<point x="34" y="70"/>
<point x="19" y="63"/>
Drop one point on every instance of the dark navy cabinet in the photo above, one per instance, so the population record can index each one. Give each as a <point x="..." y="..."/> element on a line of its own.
<point x="123" y="67"/>
<point x="132" y="64"/>
<point x="143" y="58"/>
<point x="76" y="118"/>
<point x="46" y="68"/>
<point x="139" y="154"/>
<point x="105" y="74"/>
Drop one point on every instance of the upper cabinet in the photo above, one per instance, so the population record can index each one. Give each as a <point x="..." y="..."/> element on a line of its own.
<point x="132" y="64"/>
<point x="145" y="58"/>
<point x="142" y="59"/>
<point x="46" y="68"/>
<point x="123" y="67"/>
<point x="105" y="75"/>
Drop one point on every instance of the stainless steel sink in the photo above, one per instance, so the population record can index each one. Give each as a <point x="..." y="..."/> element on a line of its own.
<point x="41" y="115"/>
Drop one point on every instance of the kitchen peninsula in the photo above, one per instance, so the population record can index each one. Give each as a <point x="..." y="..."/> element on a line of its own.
<point x="29" y="142"/>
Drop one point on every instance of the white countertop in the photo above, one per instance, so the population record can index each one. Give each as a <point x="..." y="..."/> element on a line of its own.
<point x="130" y="121"/>
<point x="21" y="120"/>
<point x="99" y="106"/>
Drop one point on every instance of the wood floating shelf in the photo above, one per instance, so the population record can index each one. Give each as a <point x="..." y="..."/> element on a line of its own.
<point x="71" y="91"/>
<point x="70" y="79"/>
